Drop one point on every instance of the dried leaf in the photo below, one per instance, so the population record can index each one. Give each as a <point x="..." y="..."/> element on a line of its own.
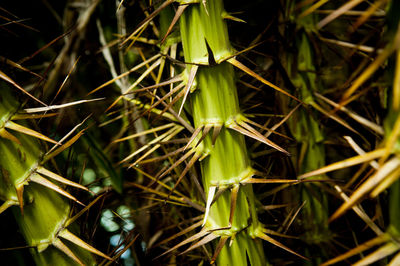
<point x="367" y="186"/>
<point x="186" y="241"/>
<point x="59" y="106"/>
<point x="44" y="182"/>
<point x="61" y="246"/>
<point x="202" y="242"/>
<point x="9" y="80"/>
<point x="379" y="254"/>
<point x="357" y="250"/>
<point x="79" y="242"/>
<point x="28" y="131"/>
<point x="278" y="244"/>
<point x="44" y="171"/>
<point x="346" y="163"/>
<point x="250" y="72"/>
<point x="7" y="135"/>
<point x="178" y="14"/>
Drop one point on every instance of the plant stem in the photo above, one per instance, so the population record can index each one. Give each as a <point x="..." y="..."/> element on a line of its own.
<point x="215" y="104"/>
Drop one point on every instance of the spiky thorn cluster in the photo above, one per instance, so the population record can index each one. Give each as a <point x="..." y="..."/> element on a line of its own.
<point x="384" y="160"/>
<point x="44" y="215"/>
<point x="206" y="90"/>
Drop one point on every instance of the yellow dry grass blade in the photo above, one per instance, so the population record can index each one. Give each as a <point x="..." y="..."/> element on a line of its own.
<point x="59" y="106"/>
<point x="387" y="182"/>
<point x="168" y="107"/>
<point x="338" y="12"/>
<point x="9" y="80"/>
<point x="149" y="19"/>
<point x="269" y="131"/>
<point x="180" y="233"/>
<point x="367" y="14"/>
<point x="161" y="84"/>
<point x="159" y="193"/>
<point x="121" y="251"/>
<point x="146" y="22"/>
<point x="44" y="171"/>
<point x="379" y="254"/>
<point x="44" y="47"/>
<point x="202" y="242"/>
<point x="271" y="232"/>
<point x="334" y="117"/>
<point x="312" y="8"/>
<point x="247" y="130"/>
<point x="44" y="182"/>
<point x="173" y="133"/>
<point x="145" y="155"/>
<point x="21" y="116"/>
<point x="154" y="141"/>
<point x="79" y="242"/>
<point x="360" y="212"/>
<point x="126" y="73"/>
<point x="395" y="261"/>
<point x="178" y="14"/>
<point x="207" y="129"/>
<point x="79" y="214"/>
<point x="178" y="162"/>
<point x="360" y="248"/>
<point x="67" y="77"/>
<point x="143" y="57"/>
<point x="7" y="135"/>
<point x="61" y="246"/>
<point x="363" y="121"/>
<point x="152" y="130"/>
<point x="250" y="72"/>
<point x="186" y="241"/>
<point x="144" y="75"/>
<point x="164" y="201"/>
<point x="189" y="165"/>
<point x="278" y="244"/>
<point x="367" y="73"/>
<point x="28" y="131"/>
<point x="360" y="151"/>
<point x="52" y="153"/>
<point x="16" y="65"/>
<point x="368" y="185"/>
<point x="193" y="137"/>
<point x="164" y="97"/>
<point x="156" y="111"/>
<point x="155" y="180"/>
<point x="252" y="180"/>
<point x="346" y="163"/>
<point x="360" y="47"/>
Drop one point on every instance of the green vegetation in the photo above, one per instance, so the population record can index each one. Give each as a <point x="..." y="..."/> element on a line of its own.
<point x="144" y="132"/>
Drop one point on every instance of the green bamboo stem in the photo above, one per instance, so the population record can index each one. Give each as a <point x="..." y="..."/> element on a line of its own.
<point x="310" y="152"/>
<point x="215" y="103"/>
<point x="42" y="213"/>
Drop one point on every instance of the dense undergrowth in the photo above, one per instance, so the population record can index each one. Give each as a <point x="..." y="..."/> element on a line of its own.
<point x="257" y="132"/>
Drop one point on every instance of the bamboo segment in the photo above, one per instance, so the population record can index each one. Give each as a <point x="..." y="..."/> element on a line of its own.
<point x="43" y="212"/>
<point x="214" y="101"/>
